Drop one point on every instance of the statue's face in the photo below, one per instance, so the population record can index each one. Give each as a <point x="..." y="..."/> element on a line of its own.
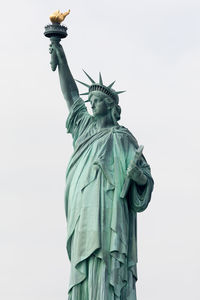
<point x="98" y="104"/>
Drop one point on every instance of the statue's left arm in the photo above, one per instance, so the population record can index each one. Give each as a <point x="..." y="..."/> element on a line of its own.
<point x="139" y="182"/>
<point x="141" y="186"/>
<point x="136" y="174"/>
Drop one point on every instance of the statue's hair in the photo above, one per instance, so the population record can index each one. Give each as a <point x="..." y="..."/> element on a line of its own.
<point x="115" y="108"/>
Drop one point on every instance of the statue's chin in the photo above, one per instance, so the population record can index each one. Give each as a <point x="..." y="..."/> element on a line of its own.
<point x="94" y="113"/>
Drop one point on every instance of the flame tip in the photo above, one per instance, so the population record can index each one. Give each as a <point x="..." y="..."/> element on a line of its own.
<point x="58" y="17"/>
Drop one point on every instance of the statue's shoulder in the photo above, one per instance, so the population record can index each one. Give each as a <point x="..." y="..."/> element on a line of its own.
<point x="124" y="133"/>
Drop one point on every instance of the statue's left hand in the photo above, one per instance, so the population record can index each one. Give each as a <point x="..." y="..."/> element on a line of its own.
<point x="136" y="174"/>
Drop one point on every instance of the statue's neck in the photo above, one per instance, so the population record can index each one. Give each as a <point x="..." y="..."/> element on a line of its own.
<point x="104" y="122"/>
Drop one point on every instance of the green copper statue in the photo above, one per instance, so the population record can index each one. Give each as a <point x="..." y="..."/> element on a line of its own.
<point x="108" y="182"/>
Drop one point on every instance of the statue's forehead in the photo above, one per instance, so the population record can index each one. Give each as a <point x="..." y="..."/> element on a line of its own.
<point x="96" y="94"/>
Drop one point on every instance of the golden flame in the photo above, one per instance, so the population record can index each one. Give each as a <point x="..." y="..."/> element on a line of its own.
<point x="58" y="17"/>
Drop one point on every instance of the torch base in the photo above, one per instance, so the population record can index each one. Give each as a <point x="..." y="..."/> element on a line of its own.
<point x="55" y="30"/>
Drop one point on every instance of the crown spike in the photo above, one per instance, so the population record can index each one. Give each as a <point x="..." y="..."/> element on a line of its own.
<point x="111" y="84"/>
<point x="100" y="78"/>
<point x="83" y="94"/>
<point x="85" y="84"/>
<point x="89" y="77"/>
<point x="120" y="92"/>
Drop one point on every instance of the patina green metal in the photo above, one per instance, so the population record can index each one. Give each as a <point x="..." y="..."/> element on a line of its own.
<point x="101" y="88"/>
<point x="108" y="182"/>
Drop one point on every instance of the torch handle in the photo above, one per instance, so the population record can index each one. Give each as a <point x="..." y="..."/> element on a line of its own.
<point x="54" y="59"/>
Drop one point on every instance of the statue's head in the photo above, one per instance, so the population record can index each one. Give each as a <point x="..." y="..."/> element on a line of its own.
<point x="103" y="98"/>
<point x="103" y="105"/>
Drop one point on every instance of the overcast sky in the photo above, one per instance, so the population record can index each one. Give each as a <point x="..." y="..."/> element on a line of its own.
<point x="152" y="50"/>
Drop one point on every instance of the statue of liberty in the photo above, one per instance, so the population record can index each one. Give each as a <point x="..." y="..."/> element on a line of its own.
<point x="108" y="182"/>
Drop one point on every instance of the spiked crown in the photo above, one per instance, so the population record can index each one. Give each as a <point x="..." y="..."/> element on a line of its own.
<point x="100" y="87"/>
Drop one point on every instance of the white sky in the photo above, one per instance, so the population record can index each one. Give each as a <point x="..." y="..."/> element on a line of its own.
<point x="152" y="49"/>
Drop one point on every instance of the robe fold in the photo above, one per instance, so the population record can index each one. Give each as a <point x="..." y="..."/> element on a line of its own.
<point x="102" y="226"/>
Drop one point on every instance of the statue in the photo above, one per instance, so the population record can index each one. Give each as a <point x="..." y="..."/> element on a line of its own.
<point x="108" y="182"/>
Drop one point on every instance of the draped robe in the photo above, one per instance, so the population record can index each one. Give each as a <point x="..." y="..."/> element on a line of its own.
<point x="102" y="225"/>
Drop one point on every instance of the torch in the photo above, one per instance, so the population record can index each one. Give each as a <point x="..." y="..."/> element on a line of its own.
<point x="56" y="32"/>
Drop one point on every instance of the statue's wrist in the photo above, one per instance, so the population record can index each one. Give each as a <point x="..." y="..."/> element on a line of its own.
<point x="141" y="180"/>
<point x="138" y="176"/>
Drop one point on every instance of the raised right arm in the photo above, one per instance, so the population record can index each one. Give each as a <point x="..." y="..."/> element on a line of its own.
<point x="67" y="82"/>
